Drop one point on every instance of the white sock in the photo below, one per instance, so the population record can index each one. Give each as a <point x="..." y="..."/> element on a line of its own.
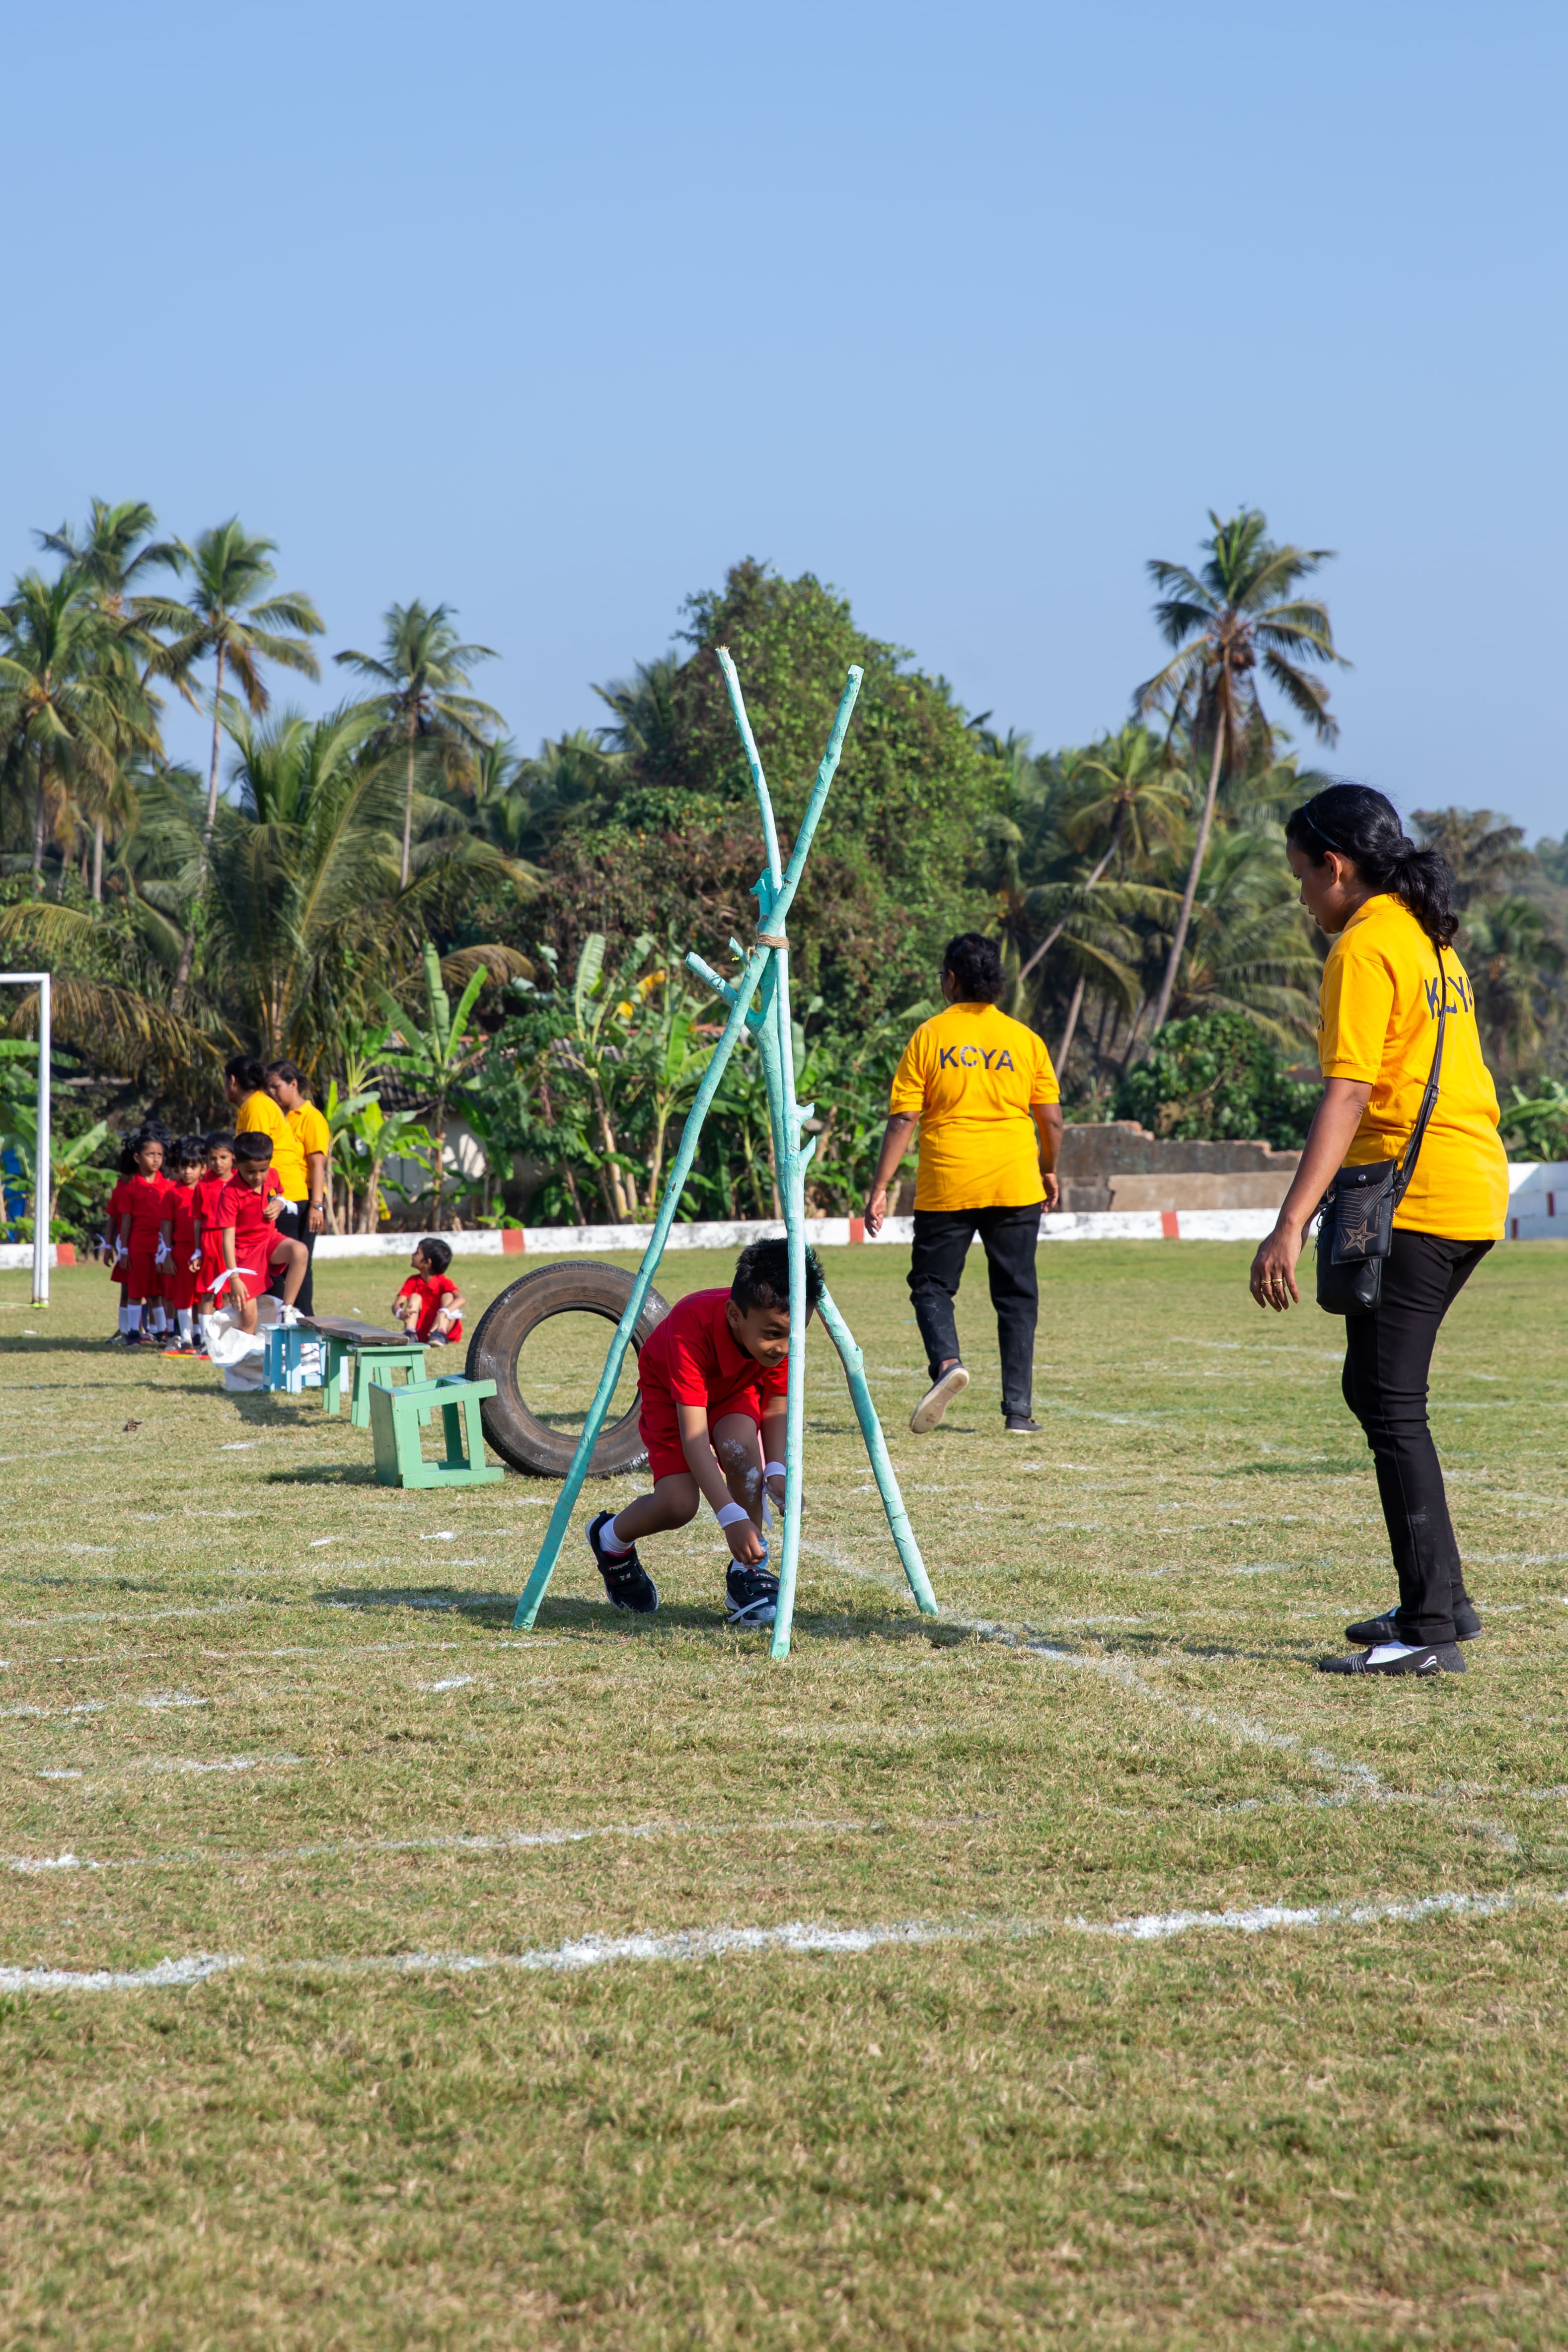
<point x="1388" y="1650"/>
<point x="125" y="1323"/>
<point x="613" y="1542"/>
<point x="133" y="1318"/>
<point x="158" y="1325"/>
<point x="187" y="1331"/>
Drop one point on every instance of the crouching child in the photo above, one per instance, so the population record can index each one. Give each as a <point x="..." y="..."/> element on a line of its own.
<point x="713" y="1394"/>
<point x="252" y="1249"/>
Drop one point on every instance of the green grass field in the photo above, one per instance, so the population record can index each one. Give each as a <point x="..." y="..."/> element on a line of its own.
<point x="267" y="1719"/>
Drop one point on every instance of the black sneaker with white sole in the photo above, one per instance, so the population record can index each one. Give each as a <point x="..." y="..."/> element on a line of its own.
<point x="1021" y="1425"/>
<point x="626" y="1580"/>
<point x="1374" y="1630"/>
<point x="752" y="1594"/>
<point x="937" y="1398"/>
<point x="1399" y="1658"/>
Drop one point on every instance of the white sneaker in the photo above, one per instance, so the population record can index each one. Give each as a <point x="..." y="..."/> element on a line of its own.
<point x="937" y="1398"/>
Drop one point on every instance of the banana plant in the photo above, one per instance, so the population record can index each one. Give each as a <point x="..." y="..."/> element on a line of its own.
<point x="439" y="1058"/>
<point x="69" y="1162"/>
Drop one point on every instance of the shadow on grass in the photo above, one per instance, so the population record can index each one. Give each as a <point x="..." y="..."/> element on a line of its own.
<point x="578" y="1616"/>
<point x="446" y="1600"/>
<point x="325" y="1474"/>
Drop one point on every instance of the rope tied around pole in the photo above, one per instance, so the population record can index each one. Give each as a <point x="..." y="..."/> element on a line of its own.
<point x="771" y="939"/>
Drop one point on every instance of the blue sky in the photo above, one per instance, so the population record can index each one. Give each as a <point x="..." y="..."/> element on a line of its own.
<point x="554" y="312"/>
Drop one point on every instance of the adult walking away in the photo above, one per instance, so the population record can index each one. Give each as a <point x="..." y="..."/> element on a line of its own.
<point x="255" y="1113"/>
<point x="982" y="1091"/>
<point x="313" y="1140"/>
<point x="1388" y="907"/>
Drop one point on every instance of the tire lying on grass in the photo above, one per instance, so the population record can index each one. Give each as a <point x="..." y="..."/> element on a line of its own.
<point x="512" y="1429"/>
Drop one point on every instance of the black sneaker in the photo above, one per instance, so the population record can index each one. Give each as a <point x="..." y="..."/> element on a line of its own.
<point x="1430" y="1658"/>
<point x="752" y="1594"/>
<point x="626" y="1580"/>
<point x="937" y="1398"/>
<point x="1021" y="1425"/>
<point x="1374" y="1630"/>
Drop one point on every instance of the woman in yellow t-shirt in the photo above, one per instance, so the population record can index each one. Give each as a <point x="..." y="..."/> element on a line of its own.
<point x="1388" y="907"/>
<point x="981" y="1090"/>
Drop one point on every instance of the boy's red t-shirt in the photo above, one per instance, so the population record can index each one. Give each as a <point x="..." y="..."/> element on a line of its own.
<point x="147" y="1202"/>
<point x="693" y="1358"/>
<point x="432" y="1291"/>
<point x="183" y="1222"/>
<point x="242" y="1208"/>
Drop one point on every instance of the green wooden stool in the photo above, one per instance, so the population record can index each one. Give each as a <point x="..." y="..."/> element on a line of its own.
<point x="397" y="1416"/>
<point x="374" y="1364"/>
<point x="337" y="1372"/>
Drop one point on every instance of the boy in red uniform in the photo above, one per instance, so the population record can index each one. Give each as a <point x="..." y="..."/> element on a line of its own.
<point x="252" y="1249"/>
<point x="184" y="1254"/>
<point x="429" y="1304"/>
<point x="217" y="1153"/>
<point x="712" y="1387"/>
<point x="145" y="1235"/>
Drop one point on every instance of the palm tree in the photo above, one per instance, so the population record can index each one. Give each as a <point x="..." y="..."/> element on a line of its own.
<point x="1237" y="616"/>
<point x="422" y="671"/>
<point x="230" y="616"/>
<point x="58" y="713"/>
<point x="115" y="548"/>
<point x="1129" y="802"/>
<point x="1487" y="854"/>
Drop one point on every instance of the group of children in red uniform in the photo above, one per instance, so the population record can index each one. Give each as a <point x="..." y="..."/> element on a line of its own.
<point x="176" y="1242"/>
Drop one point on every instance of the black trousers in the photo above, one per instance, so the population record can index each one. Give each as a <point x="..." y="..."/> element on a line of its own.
<point x="295" y="1224"/>
<point x="1009" y="1237"/>
<point x="1387" y="1357"/>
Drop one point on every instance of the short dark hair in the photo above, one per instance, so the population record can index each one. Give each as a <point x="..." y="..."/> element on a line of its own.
<point x="975" y="963"/>
<point x="440" y="1253"/>
<point x="146" y="1135"/>
<point x="128" y="1157"/>
<point x="1365" y="827"/>
<point x="189" y="1149"/>
<point x="761" y="1278"/>
<point x="220" y="1140"/>
<point x="289" y="1072"/>
<point x="253" y="1147"/>
<point x="246" y="1071"/>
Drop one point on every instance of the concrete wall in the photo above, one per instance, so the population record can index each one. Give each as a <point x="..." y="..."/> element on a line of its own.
<point x="1121" y="1167"/>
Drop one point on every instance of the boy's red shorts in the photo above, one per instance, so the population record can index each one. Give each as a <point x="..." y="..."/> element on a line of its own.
<point x="211" y="1273"/>
<point x="179" y="1285"/>
<point x="661" y="1431"/>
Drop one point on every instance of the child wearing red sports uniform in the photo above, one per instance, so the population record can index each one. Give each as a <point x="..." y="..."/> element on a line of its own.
<point x="185" y="1256"/>
<point x="114" y="1257"/>
<point x="253" y="1248"/>
<point x="429" y="1302"/>
<point x="712" y="1385"/>
<point x="145" y="1235"/>
<point x="218" y="1151"/>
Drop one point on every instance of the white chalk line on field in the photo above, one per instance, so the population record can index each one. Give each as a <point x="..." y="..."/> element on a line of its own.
<point x="477" y="1841"/>
<point x="793" y="1937"/>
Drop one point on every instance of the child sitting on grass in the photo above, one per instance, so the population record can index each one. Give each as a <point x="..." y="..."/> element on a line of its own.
<point x="252" y="1249"/>
<point x="712" y="1385"/>
<point x="184" y="1257"/>
<point x="430" y="1306"/>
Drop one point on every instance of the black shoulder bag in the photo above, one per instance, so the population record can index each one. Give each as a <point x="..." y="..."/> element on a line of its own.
<point x="1355" y="1228"/>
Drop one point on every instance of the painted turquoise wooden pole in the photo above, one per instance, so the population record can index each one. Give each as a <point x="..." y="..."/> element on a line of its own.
<point x="903" y="1535"/>
<point x="780" y="899"/>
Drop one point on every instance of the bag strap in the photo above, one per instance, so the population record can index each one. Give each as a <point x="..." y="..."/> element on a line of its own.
<point x="1429" y="1099"/>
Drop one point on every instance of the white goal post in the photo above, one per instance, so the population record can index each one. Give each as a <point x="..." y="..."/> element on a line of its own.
<point x="40" y="980"/>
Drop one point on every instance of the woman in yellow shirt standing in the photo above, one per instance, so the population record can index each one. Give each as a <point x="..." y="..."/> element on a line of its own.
<point x="1388" y="907"/>
<point x="981" y="1088"/>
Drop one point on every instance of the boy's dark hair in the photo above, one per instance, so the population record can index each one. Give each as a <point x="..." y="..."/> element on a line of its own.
<point x="975" y="963"/>
<point x="220" y="1140"/>
<point x="289" y="1072"/>
<point x="439" y="1254"/>
<point x="253" y="1147"/>
<point x="247" y="1072"/>
<point x="1365" y="827"/>
<point x="190" y="1150"/>
<point x="761" y="1278"/>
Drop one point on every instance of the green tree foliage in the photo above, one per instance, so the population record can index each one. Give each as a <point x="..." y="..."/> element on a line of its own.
<point x="1214" y="1077"/>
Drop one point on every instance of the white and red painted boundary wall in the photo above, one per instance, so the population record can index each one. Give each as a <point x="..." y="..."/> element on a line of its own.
<point x="1538" y="1211"/>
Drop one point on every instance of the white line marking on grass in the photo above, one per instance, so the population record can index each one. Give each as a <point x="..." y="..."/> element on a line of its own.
<point x="240" y="1445"/>
<point x="164" y="1974"/>
<point x="793" y="1937"/>
<point x="448" y="1681"/>
<point x="218" y="1764"/>
<point x="142" y="1616"/>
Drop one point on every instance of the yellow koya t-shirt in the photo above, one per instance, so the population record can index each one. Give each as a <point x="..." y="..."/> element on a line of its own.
<point x="259" y="1114"/>
<point x="311" y="1133"/>
<point x="971" y="1076"/>
<point x="1378" y="1021"/>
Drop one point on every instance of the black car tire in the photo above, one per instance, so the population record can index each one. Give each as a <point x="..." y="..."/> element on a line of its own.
<point x="575" y="1286"/>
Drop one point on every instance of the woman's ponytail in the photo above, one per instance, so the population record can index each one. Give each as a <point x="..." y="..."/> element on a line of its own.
<point x="1365" y="827"/>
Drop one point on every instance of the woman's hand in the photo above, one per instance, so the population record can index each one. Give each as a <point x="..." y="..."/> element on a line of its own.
<point x="1272" y="1281"/>
<point x="876" y="1208"/>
